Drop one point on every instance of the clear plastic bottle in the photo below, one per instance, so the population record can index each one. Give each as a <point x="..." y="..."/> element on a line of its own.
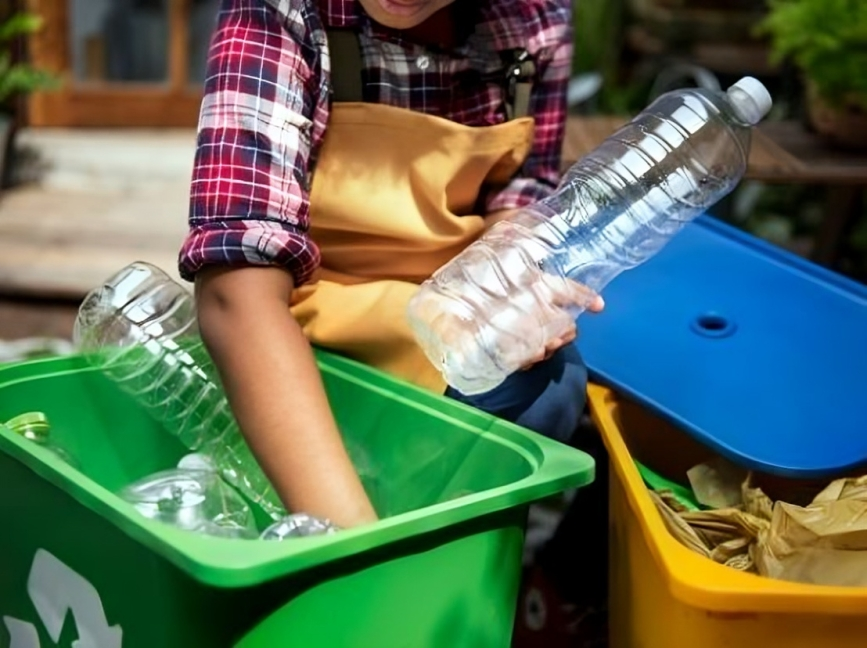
<point x="140" y="329"/>
<point x="193" y="499"/>
<point x="493" y="308"/>
<point x="298" y="525"/>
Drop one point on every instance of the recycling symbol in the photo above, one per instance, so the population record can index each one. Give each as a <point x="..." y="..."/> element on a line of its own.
<point x="56" y="590"/>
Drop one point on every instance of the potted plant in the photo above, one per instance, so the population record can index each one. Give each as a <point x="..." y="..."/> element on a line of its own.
<point x="827" y="42"/>
<point x="17" y="77"/>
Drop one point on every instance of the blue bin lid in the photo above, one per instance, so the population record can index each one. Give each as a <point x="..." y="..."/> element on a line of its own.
<point x="755" y="352"/>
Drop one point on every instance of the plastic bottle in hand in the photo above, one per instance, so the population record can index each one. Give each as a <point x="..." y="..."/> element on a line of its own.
<point x="496" y="306"/>
<point x="140" y="329"/>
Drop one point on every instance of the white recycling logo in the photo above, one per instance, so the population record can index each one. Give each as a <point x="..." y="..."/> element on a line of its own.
<point x="56" y="589"/>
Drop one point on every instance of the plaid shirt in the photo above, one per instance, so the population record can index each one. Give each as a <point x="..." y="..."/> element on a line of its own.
<point x="266" y="104"/>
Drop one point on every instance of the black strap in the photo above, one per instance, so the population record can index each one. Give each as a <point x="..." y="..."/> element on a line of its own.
<point x="519" y="84"/>
<point x="346" y="68"/>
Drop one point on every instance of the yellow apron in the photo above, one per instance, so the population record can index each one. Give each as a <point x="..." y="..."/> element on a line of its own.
<point x="392" y="200"/>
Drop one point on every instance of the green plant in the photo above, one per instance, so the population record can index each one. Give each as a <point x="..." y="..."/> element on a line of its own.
<point x="18" y="78"/>
<point x="598" y="44"/>
<point x="827" y="40"/>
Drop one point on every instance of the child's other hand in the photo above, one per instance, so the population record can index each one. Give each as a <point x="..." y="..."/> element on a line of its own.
<point x="581" y="296"/>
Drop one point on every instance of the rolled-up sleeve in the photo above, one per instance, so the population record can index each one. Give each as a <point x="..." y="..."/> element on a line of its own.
<point x="540" y="173"/>
<point x="260" y="118"/>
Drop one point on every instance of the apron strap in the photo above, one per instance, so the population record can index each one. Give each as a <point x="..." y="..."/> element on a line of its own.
<point x="346" y="66"/>
<point x="347" y="84"/>
<point x="519" y="84"/>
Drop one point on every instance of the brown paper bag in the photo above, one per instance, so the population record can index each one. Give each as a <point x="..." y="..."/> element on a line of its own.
<point x="723" y="535"/>
<point x="824" y="543"/>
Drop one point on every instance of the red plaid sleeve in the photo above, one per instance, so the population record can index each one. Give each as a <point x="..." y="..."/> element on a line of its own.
<point x="540" y="173"/>
<point x="262" y="115"/>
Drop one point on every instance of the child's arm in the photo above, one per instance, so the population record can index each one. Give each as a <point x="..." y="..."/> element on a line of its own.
<point x="263" y="113"/>
<point x="276" y="392"/>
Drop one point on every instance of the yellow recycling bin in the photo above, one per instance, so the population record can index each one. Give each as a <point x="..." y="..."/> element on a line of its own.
<point x="663" y="595"/>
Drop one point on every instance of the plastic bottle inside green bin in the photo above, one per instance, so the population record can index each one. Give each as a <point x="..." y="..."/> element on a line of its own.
<point x="140" y="329"/>
<point x="298" y="525"/>
<point x="193" y="499"/>
<point x="35" y="427"/>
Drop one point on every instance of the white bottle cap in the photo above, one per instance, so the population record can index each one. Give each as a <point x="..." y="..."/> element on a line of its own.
<point x="750" y="99"/>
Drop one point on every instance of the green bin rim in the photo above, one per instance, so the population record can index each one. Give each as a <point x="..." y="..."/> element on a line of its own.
<point x="223" y="562"/>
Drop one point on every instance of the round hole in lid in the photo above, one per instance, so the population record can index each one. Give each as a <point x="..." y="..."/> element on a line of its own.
<point x="713" y="325"/>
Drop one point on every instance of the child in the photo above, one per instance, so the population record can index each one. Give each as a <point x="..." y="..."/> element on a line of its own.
<point x="346" y="150"/>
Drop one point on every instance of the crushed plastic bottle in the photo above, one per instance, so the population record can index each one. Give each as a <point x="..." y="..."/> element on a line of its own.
<point x="140" y="329"/>
<point x="298" y="525"/>
<point x="193" y="500"/>
<point x="493" y="308"/>
<point x="35" y="427"/>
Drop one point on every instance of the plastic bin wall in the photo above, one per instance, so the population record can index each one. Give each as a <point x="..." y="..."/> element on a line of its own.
<point x="441" y="569"/>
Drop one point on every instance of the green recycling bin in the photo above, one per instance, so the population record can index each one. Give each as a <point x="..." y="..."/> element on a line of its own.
<point x="80" y="567"/>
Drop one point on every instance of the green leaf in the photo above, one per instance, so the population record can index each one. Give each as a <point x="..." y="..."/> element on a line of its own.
<point x="826" y="39"/>
<point x="21" y="79"/>
<point x="19" y="24"/>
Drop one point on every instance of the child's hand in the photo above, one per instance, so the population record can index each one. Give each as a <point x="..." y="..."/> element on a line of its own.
<point x="581" y="296"/>
<point x="574" y="294"/>
<point x="514" y="312"/>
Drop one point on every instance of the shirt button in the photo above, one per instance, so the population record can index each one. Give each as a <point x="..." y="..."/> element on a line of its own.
<point x="422" y="62"/>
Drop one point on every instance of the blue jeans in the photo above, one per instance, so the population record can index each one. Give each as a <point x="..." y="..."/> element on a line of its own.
<point x="548" y="398"/>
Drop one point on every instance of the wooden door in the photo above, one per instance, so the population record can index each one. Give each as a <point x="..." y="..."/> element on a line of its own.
<point x="124" y="63"/>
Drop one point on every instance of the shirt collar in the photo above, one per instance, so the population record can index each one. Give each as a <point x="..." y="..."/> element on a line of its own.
<point x="341" y="13"/>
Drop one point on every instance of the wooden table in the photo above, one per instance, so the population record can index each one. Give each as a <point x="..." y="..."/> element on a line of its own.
<point x="58" y="245"/>
<point x="782" y="153"/>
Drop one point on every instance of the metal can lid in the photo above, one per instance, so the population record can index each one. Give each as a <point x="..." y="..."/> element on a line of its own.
<point x="29" y="424"/>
